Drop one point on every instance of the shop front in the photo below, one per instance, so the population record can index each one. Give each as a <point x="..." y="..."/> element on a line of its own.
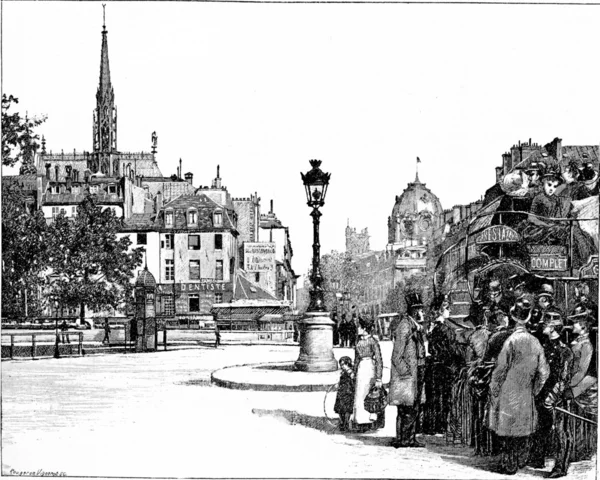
<point x="188" y="305"/>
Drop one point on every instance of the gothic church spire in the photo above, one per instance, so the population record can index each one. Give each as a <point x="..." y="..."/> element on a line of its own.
<point x="105" y="114"/>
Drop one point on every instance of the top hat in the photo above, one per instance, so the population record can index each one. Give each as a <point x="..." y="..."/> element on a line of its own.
<point x="413" y="300"/>
<point x="521" y="312"/>
<point x="546" y="291"/>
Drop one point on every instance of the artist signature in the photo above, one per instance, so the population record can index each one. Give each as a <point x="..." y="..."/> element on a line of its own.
<point x="36" y="473"/>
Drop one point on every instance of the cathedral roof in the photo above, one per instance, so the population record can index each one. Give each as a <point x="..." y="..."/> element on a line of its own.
<point x="416" y="198"/>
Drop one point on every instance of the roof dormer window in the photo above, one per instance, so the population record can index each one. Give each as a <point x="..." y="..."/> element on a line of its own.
<point x="218" y="219"/>
<point x="169" y="218"/>
<point x="192" y="217"/>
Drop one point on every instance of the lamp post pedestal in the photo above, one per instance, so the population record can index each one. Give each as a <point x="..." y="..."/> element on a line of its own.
<point x="316" y="344"/>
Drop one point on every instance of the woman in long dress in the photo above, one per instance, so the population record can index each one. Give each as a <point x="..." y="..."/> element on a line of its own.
<point x="368" y="368"/>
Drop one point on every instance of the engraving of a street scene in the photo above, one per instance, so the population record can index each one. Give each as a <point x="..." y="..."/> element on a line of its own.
<point x="299" y="241"/>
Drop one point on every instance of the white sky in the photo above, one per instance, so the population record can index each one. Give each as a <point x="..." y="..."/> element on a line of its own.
<point x="262" y="88"/>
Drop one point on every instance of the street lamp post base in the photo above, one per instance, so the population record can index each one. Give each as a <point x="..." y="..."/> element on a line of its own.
<point x="316" y="344"/>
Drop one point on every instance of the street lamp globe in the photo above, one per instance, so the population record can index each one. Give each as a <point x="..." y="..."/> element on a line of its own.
<point x="315" y="182"/>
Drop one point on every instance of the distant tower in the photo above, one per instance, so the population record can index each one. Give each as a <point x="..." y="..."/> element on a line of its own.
<point x="105" y="113"/>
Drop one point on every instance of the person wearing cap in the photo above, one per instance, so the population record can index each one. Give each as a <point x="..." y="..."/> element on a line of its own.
<point x="441" y="369"/>
<point x="572" y="188"/>
<point x="551" y="426"/>
<point x="534" y="173"/>
<point x="589" y="177"/>
<point x="408" y="371"/>
<point x="496" y="307"/>
<point x="520" y="373"/>
<point x="583" y="352"/>
<point x="545" y="301"/>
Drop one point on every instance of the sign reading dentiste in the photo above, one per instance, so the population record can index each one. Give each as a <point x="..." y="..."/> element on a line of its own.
<point x="259" y="257"/>
<point x="498" y="234"/>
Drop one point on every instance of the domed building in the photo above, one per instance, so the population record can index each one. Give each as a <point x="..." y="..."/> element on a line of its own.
<point x="417" y="213"/>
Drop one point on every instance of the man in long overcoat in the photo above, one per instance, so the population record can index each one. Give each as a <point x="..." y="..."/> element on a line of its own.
<point x="520" y="373"/>
<point x="407" y="372"/>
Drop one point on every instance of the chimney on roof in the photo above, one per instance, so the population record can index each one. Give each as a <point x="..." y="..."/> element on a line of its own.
<point x="189" y="177"/>
<point x="158" y="202"/>
<point x="217" y="181"/>
<point x="180" y="170"/>
<point x="271" y="206"/>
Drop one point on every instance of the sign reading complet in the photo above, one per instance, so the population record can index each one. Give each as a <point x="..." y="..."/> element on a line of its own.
<point x="548" y="257"/>
<point x="498" y="234"/>
<point x="259" y="257"/>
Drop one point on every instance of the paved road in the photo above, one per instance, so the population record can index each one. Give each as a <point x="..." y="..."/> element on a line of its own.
<point x="156" y="415"/>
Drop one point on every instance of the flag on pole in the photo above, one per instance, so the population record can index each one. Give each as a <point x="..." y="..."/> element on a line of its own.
<point x="418" y="160"/>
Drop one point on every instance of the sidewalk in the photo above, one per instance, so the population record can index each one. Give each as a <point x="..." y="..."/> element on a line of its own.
<point x="157" y="415"/>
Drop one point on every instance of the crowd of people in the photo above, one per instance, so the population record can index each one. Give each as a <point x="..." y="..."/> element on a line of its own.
<point x="525" y="367"/>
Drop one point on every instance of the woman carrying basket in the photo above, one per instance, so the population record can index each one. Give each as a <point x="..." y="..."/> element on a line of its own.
<point x="368" y="368"/>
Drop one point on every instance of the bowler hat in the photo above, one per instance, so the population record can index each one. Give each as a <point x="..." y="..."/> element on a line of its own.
<point x="553" y="173"/>
<point x="580" y="311"/>
<point x="521" y="311"/>
<point x="554" y="318"/>
<point x="495" y="286"/>
<point x="413" y="300"/>
<point x="546" y="291"/>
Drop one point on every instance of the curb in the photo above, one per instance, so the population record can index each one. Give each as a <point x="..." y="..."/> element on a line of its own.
<point x="264" y="387"/>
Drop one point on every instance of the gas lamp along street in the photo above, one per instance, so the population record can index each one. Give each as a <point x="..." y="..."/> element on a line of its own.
<point x="316" y="340"/>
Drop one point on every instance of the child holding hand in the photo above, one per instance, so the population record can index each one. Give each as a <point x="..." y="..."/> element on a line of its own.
<point x="344" y="401"/>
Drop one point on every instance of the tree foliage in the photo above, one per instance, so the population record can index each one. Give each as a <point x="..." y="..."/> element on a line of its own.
<point x="24" y="252"/>
<point x="341" y="274"/>
<point x="91" y="267"/>
<point x="420" y="283"/>
<point x="19" y="141"/>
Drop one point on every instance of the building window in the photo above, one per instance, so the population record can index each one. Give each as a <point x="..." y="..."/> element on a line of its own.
<point x="218" y="298"/>
<point x="55" y="211"/>
<point x="193" y="242"/>
<point x="112" y="189"/>
<point x="219" y="270"/>
<point x="169" y="240"/>
<point x="218" y="219"/>
<point x="63" y="211"/>
<point x="167" y="302"/>
<point x="194" y="269"/>
<point x="169" y="219"/>
<point x="192" y="217"/>
<point x="73" y="211"/>
<point x="231" y="265"/>
<point x="218" y="241"/>
<point x="93" y="189"/>
<point x="194" y="300"/>
<point x="169" y="270"/>
<point x="257" y="277"/>
<point x="142" y="238"/>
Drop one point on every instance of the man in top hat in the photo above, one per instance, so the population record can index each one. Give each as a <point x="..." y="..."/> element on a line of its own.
<point x="520" y="372"/>
<point x="552" y="428"/>
<point x="408" y="371"/>
<point x="441" y="369"/>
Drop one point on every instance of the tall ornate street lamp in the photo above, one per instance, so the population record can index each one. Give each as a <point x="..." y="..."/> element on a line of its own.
<point x="316" y="344"/>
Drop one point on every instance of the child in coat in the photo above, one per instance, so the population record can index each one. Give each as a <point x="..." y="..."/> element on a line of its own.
<point x="344" y="401"/>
